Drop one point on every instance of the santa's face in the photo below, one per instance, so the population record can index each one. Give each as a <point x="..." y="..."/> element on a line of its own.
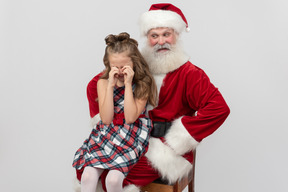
<point x="163" y="51"/>
<point x="161" y="39"/>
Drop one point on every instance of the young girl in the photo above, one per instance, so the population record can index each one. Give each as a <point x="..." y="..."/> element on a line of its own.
<point x="121" y="136"/>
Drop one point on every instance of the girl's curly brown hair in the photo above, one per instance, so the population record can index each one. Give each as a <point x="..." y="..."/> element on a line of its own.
<point x="145" y="84"/>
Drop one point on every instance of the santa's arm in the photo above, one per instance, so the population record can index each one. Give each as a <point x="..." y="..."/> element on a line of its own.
<point x="93" y="99"/>
<point x="211" y="111"/>
<point x="210" y="105"/>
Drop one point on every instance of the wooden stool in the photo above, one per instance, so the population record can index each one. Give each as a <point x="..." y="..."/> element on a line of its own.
<point x="161" y="186"/>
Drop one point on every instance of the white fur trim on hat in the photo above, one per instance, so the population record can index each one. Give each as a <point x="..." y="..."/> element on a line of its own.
<point x="161" y="18"/>
<point x="170" y="165"/>
<point x="179" y="139"/>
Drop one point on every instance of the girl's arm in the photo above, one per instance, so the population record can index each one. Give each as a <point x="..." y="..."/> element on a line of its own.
<point x="106" y="104"/>
<point x="105" y="90"/>
<point x="132" y="107"/>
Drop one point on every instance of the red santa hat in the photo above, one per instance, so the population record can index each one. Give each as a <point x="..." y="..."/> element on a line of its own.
<point x="163" y="15"/>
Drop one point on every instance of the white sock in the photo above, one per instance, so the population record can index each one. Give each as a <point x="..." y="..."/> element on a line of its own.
<point x="114" y="181"/>
<point x="89" y="179"/>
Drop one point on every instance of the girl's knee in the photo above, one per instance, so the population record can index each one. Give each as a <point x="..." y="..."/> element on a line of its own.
<point x="89" y="174"/>
<point x="86" y="177"/>
<point x="114" y="180"/>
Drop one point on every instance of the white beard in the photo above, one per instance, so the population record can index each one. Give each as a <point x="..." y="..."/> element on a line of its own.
<point x="164" y="62"/>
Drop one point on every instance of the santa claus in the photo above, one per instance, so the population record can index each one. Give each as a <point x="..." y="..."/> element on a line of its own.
<point x="189" y="108"/>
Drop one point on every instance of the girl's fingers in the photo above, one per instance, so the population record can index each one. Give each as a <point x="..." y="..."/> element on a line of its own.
<point x="128" y="74"/>
<point x="128" y="70"/>
<point x="113" y="75"/>
<point x="114" y="71"/>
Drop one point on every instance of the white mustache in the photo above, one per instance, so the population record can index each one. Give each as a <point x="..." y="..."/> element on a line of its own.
<point x="164" y="46"/>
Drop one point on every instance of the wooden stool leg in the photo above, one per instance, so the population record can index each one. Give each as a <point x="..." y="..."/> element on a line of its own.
<point x="176" y="187"/>
<point x="190" y="187"/>
<point x="191" y="183"/>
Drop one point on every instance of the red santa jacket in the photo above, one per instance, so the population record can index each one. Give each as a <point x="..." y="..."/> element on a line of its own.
<point x="188" y="90"/>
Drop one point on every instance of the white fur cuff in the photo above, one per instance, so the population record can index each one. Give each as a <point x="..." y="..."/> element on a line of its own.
<point x="179" y="139"/>
<point x="95" y="120"/>
<point x="170" y="165"/>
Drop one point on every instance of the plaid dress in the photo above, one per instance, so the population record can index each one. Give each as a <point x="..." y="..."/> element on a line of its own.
<point x="115" y="146"/>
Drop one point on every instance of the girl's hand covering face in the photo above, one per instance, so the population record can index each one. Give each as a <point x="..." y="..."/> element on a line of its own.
<point x="113" y="76"/>
<point x="128" y="74"/>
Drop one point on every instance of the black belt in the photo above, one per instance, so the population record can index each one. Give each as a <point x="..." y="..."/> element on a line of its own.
<point x="160" y="128"/>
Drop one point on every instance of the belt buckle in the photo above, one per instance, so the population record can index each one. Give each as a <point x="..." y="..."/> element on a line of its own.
<point x="160" y="128"/>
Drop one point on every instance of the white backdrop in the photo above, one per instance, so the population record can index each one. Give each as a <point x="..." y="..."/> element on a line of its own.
<point x="50" y="50"/>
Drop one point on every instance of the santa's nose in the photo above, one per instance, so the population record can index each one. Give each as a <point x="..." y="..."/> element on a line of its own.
<point x="161" y="41"/>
